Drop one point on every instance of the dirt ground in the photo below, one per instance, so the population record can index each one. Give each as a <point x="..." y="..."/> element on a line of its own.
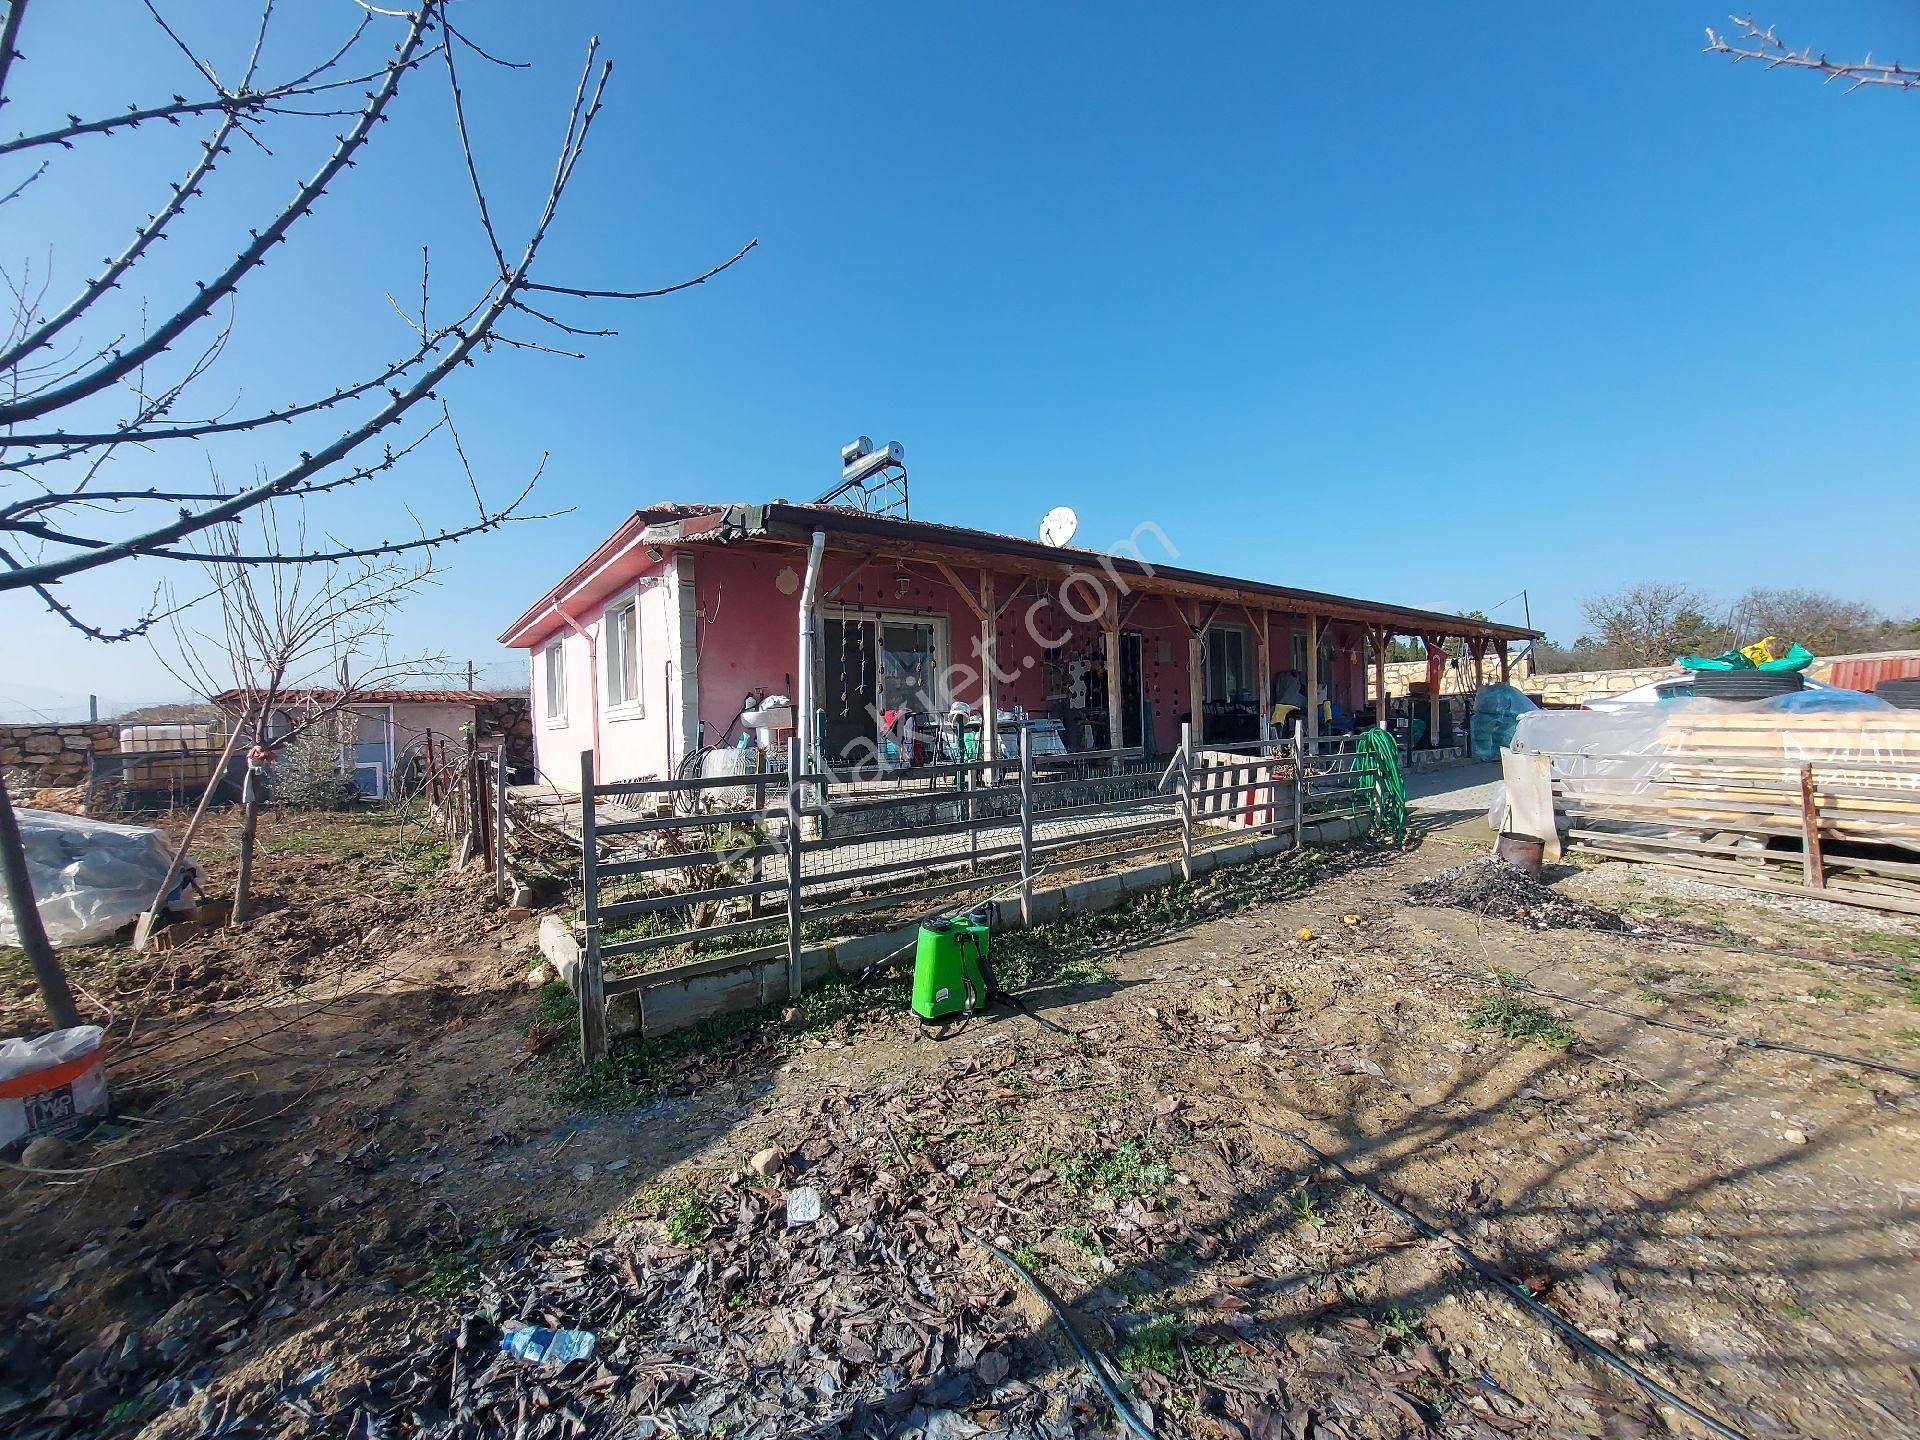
<point x="324" y="1201"/>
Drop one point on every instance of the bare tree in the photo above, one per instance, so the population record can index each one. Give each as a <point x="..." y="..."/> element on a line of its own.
<point x="295" y="648"/>
<point x="1651" y="623"/>
<point x="1766" y="48"/>
<point x="94" y="388"/>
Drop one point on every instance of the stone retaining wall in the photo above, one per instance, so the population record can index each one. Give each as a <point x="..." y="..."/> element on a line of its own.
<point x="48" y="755"/>
<point x="510" y="715"/>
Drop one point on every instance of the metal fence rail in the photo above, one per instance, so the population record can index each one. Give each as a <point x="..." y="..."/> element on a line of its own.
<point x="745" y="863"/>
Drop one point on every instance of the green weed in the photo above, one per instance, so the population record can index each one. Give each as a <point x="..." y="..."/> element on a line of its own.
<point x="681" y="1213"/>
<point x="1082" y="1237"/>
<point x="1396" y="1324"/>
<point x="1517" y="1019"/>
<point x="1128" y="1170"/>
<point x="1155" y="1344"/>
<point x="1306" y="1210"/>
<point x="450" y="1274"/>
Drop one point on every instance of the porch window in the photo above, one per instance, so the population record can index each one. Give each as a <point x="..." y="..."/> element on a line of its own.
<point x="1229" y="663"/>
<point x="623" y="655"/>
<point x="554" y="660"/>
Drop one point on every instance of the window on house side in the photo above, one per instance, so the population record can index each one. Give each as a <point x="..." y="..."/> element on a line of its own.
<point x="1229" y="665"/>
<point x="556" y="667"/>
<point x="623" y="655"/>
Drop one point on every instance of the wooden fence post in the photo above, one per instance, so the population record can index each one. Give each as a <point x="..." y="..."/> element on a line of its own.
<point x="1813" y="861"/>
<point x="500" y="821"/>
<point x="793" y="871"/>
<point x="590" y="983"/>
<point x="1185" y="787"/>
<point x="1026" y="825"/>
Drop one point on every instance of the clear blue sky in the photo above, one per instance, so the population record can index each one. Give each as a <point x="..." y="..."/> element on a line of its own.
<point x="1430" y="304"/>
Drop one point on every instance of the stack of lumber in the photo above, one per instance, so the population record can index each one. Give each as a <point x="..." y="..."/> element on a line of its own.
<point x="1828" y="800"/>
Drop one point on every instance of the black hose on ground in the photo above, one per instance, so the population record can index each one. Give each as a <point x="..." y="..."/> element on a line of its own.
<point x="1513" y="1289"/>
<point x="1878" y="967"/>
<point x="1087" y="1356"/>
<point x="1748" y="1041"/>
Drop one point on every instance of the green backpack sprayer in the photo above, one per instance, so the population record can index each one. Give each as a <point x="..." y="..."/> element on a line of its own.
<point x="951" y="975"/>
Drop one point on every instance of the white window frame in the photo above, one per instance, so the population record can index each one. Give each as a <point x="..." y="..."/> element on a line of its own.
<point x="553" y="665"/>
<point x="631" y="705"/>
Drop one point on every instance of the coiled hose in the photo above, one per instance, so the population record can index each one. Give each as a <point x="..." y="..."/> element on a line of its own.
<point x="1379" y="799"/>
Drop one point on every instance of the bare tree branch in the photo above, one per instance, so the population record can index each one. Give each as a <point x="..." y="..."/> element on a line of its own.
<point x="43" y="376"/>
<point x="1753" y="43"/>
<point x="125" y="362"/>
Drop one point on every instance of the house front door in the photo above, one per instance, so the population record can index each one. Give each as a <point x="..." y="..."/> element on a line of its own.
<point x="875" y="666"/>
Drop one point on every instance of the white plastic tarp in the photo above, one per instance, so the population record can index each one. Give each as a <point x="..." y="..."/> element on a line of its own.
<point x="90" y="877"/>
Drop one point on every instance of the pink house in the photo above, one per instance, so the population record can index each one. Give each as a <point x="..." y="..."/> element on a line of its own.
<point x="648" y="649"/>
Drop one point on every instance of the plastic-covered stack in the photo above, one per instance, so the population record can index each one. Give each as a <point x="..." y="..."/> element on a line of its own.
<point x="1496" y="710"/>
<point x="90" y="877"/>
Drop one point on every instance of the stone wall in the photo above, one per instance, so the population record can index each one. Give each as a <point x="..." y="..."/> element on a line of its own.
<point x="48" y="755"/>
<point x="511" y="716"/>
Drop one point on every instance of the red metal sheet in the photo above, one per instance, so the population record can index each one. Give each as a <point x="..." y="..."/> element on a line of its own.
<point x="1869" y="670"/>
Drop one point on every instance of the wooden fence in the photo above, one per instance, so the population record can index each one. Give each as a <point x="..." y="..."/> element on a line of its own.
<point x="752" y="865"/>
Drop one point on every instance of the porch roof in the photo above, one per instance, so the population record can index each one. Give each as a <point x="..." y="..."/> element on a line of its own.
<point x="782" y="523"/>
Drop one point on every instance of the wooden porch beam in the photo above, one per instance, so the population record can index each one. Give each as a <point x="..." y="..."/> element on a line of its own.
<point x="1020" y="584"/>
<point x="979" y="610"/>
<point x="858" y="566"/>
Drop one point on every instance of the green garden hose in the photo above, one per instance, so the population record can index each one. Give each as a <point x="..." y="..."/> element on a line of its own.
<point x="1379" y="799"/>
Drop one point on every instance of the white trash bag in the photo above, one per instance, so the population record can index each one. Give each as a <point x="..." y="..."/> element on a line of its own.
<point x="90" y="877"/>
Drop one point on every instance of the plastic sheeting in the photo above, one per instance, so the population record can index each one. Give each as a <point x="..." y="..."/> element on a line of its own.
<point x="1496" y="709"/>
<point x="90" y="877"/>
<point x="1643" y="729"/>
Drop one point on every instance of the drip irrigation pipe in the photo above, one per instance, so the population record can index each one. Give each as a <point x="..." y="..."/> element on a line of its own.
<point x="1848" y="962"/>
<point x="1749" y="1041"/>
<point x="1513" y="1289"/>
<point x="1087" y="1356"/>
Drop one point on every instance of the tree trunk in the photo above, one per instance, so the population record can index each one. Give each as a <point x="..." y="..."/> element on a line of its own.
<point x="26" y="919"/>
<point x="249" y="826"/>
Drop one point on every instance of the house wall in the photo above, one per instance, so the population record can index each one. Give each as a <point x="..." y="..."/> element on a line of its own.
<point x="413" y="722"/>
<point x="635" y="741"/>
<point x="719" y="622"/>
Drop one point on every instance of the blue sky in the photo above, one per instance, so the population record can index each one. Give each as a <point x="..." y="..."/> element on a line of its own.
<point x="1429" y="305"/>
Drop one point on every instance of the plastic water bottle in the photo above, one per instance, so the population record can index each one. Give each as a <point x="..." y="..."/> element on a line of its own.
<point x="539" y="1345"/>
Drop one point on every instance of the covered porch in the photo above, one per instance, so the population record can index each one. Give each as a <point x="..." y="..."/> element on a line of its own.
<point x="1097" y="652"/>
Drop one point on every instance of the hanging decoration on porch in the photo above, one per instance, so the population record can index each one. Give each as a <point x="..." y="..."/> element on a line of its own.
<point x="1436" y="662"/>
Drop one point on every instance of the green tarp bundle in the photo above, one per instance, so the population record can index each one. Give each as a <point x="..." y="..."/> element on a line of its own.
<point x="1798" y="657"/>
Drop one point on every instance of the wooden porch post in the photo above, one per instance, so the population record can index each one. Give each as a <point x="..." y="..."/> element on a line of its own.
<point x="1380" y="679"/>
<point x="1503" y="663"/>
<point x="1263" y="667"/>
<point x="1434" y="642"/>
<point x="1110" y="625"/>
<point x="1196" y="676"/>
<point x="1313" y="677"/>
<point x="989" y="686"/>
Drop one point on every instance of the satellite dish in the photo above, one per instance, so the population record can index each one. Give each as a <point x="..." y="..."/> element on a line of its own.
<point x="1058" y="526"/>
